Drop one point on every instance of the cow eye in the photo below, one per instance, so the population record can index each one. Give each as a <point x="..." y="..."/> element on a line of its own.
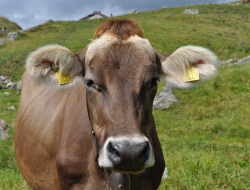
<point x="155" y="81"/>
<point x="90" y="83"/>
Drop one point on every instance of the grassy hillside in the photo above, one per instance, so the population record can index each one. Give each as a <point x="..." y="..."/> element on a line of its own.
<point x="206" y="135"/>
<point x="11" y="26"/>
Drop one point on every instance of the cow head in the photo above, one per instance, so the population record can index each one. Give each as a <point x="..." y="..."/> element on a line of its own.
<point x="121" y="70"/>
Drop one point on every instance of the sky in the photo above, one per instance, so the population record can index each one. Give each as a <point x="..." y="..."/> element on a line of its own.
<point x="28" y="13"/>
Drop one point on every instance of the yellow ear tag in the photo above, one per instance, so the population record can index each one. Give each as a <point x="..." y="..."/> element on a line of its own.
<point x="63" y="79"/>
<point x="191" y="74"/>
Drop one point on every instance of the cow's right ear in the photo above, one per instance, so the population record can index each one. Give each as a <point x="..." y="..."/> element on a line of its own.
<point x="39" y="64"/>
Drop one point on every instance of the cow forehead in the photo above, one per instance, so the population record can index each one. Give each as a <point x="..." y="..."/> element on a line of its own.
<point x="103" y="43"/>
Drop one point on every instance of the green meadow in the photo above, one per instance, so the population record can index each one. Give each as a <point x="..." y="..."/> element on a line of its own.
<point x="205" y="136"/>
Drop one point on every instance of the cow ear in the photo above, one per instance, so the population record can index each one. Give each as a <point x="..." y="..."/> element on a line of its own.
<point x="175" y="65"/>
<point x="39" y="63"/>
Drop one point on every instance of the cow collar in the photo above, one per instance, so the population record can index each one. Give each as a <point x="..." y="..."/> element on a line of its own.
<point x="93" y="132"/>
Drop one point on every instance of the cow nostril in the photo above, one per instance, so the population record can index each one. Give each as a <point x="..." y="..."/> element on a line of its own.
<point x="144" y="154"/>
<point x="117" y="154"/>
<point x="113" y="150"/>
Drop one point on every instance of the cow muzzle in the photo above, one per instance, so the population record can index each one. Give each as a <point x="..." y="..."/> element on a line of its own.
<point x="127" y="155"/>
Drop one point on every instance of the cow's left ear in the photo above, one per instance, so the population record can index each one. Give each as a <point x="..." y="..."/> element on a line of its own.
<point x="184" y="62"/>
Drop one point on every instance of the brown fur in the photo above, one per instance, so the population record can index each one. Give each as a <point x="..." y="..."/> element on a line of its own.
<point x="120" y="28"/>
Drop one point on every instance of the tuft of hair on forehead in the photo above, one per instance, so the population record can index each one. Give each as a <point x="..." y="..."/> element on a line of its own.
<point x="120" y="28"/>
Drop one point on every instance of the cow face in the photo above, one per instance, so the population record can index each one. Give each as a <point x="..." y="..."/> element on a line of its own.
<point x="120" y="70"/>
<point x="121" y="78"/>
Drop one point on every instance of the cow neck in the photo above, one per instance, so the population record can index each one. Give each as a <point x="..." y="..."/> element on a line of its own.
<point x="93" y="132"/>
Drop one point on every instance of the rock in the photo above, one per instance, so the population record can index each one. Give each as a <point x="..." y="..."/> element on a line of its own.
<point x="2" y="41"/>
<point x="4" y="29"/>
<point x="4" y="128"/>
<point x="6" y="93"/>
<point x="221" y="63"/>
<point x="227" y="62"/>
<point x="232" y="61"/>
<point x="165" y="174"/>
<point x="11" y="108"/>
<point x="11" y="85"/>
<point x="167" y="93"/>
<point x="235" y="60"/>
<point x="191" y="11"/>
<point x="8" y="80"/>
<point x="12" y="36"/>
<point x="161" y="104"/>
<point x="19" y="85"/>
<point x="132" y="12"/>
<point x="244" y="60"/>
<point x="164" y="7"/>
<point x="3" y="78"/>
<point x="165" y="98"/>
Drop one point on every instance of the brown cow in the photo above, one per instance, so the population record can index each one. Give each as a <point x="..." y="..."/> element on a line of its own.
<point x="114" y="84"/>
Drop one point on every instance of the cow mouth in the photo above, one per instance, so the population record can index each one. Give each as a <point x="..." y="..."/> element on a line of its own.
<point x="128" y="171"/>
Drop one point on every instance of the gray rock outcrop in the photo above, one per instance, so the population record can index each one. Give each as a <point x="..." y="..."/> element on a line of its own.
<point x="8" y="80"/>
<point x="165" y="98"/>
<point x="132" y="12"/>
<point x="11" y="108"/>
<point x="4" y="29"/>
<point x="3" y="78"/>
<point x="19" y="85"/>
<point x="165" y="174"/>
<point x="12" y="36"/>
<point x="11" y="85"/>
<point x="191" y="11"/>
<point x="4" y="128"/>
<point x="244" y="60"/>
<point x="235" y="61"/>
<point x="2" y="41"/>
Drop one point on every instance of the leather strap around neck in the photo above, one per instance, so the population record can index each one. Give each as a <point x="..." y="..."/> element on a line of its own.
<point x="93" y="133"/>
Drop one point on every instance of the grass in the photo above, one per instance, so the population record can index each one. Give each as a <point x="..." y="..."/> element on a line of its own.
<point x="205" y="136"/>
